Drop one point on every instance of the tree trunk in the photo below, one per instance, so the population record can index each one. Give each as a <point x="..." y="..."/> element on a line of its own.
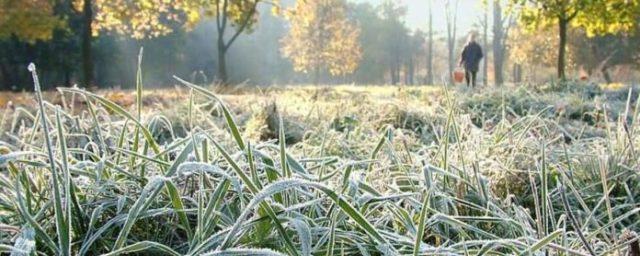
<point x="485" y="44"/>
<point x="517" y="73"/>
<point x="605" y="74"/>
<point x="316" y="75"/>
<point x="498" y="46"/>
<point x="412" y="74"/>
<point x="395" y="66"/>
<point x="562" y="25"/>
<point x="430" y="48"/>
<point x="406" y="73"/>
<point x="394" y="73"/>
<point x="398" y="69"/>
<point x="67" y="76"/>
<point x="451" y="36"/>
<point x="394" y="79"/>
<point x="5" y="77"/>
<point x="87" y="59"/>
<point x="410" y="71"/>
<point x="222" y="61"/>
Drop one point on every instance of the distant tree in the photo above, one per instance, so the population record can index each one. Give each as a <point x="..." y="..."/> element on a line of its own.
<point x="23" y="24"/>
<point x="535" y="50"/>
<point x="241" y="15"/>
<point x="389" y="48"/>
<point x="395" y="36"/>
<point x="609" y="17"/>
<point x="502" y="24"/>
<point x="321" y="37"/>
<point x="452" y="27"/>
<point x="33" y="20"/>
<point x="87" y="34"/>
<point x="485" y="40"/>
<point x="413" y="51"/>
<point x="607" y="32"/>
<point x="373" y="40"/>
<point x="548" y="12"/>
<point x="595" y="16"/>
<point x="153" y="18"/>
<point x="135" y="19"/>
<point x="28" y="20"/>
<point x="598" y="54"/>
<point x="430" y="46"/>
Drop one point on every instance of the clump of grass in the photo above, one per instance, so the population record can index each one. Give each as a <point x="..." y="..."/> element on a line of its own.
<point x="264" y="124"/>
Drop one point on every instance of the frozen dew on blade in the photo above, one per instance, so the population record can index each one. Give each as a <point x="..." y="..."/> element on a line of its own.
<point x="36" y="81"/>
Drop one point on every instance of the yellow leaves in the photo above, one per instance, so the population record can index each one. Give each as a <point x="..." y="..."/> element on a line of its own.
<point x="276" y="10"/>
<point x="32" y="20"/>
<point x="28" y="20"/>
<point x="609" y="17"/>
<point x="597" y="17"/>
<point x="539" y="48"/>
<point x="322" y="37"/>
<point x="77" y="5"/>
<point x="195" y="11"/>
<point x="612" y="86"/>
<point x="137" y="19"/>
<point x="346" y="51"/>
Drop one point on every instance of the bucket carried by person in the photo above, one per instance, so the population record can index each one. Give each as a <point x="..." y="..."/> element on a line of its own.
<point x="458" y="75"/>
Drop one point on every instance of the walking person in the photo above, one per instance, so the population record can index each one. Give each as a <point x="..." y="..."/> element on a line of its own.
<point x="470" y="59"/>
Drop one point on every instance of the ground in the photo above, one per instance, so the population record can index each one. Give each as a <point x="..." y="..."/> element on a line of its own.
<point x="369" y="170"/>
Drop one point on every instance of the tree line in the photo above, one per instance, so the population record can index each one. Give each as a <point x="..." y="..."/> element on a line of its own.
<point x="92" y="43"/>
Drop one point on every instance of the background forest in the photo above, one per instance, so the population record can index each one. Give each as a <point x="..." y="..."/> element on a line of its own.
<point x="256" y="42"/>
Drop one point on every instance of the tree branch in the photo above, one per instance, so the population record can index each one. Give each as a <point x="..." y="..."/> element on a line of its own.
<point x="225" y="10"/>
<point x="507" y="29"/>
<point x="218" y="17"/>
<point x="574" y="14"/>
<point x="244" y="24"/>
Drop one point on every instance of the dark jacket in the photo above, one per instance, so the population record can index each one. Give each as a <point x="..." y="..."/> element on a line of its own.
<point x="471" y="56"/>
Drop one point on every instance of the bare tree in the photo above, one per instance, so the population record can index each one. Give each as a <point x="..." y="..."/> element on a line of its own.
<point x="430" y="46"/>
<point x="87" y="59"/>
<point x="485" y="27"/>
<point x="501" y="27"/>
<point x="222" y="23"/>
<point x="452" y="18"/>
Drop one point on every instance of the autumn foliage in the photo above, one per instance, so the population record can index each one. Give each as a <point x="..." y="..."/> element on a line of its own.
<point x="322" y="38"/>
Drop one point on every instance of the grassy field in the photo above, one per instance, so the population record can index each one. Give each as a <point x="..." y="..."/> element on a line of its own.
<point x="342" y="170"/>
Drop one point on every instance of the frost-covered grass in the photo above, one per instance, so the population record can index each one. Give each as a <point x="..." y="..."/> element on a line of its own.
<point x="322" y="171"/>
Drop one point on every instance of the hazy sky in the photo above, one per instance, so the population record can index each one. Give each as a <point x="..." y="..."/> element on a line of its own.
<point x="469" y="13"/>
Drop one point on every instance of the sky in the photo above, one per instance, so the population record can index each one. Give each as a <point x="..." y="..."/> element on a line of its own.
<point x="469" y="13"/>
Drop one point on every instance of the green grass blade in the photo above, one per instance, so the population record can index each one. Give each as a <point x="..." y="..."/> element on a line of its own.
<point x="422" y="223"/>
<point x="252" y="187"/>
<point x="139" y="85"/>
<point x="63" y="237"/>
<point x="144" y="246"/>
<point x="26" y="216"/>
<point x="67" y="184"/>
<point x="235" y="132"/>
<point x="120" y="111"/>
<point x="176" y="201"/>
<point x="244" y="252"/>
<point x="135" y="211"/>
<point x="542" y="243"/>
<point x="283" y="185"/>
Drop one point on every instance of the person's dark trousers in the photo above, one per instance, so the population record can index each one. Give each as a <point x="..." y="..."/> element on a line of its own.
<point x="470" y="77"/>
